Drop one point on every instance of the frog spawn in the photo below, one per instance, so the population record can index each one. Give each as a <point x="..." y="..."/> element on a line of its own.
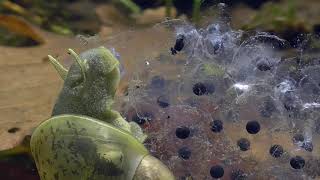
<point x="222" y="107"/>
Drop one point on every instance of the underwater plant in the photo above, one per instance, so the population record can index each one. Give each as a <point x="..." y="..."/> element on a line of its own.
<point x="196" y="5"/>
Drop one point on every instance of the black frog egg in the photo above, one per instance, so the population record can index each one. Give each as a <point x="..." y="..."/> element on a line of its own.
<point x="308" y="146"/>
<point x="142" y="118"/>
<point x="290" y="101"/>
<point x="244" y="144"/>
<point x="138" y="120"/>
<point x="216" y="171"/>
<point x="199" y="89"/>
<point x="203" y="88"/>
<point x="213" y="47"/>
<point x="184" y="153"/>
<point x="263" y="65"/>
<point x="178" y="46"/>
<point x="297" y="162"/>
<point x="276" y="151"/>
<point x="216" y="126"/>
<point x="179" y="42"/>
<point x="253" y="127"/>
<point x="183" y="132"/>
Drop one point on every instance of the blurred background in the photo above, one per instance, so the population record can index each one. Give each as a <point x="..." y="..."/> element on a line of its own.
<point x="69" y="17"/>
<point x="31" y="29"/>
<point x="288" y="18"/>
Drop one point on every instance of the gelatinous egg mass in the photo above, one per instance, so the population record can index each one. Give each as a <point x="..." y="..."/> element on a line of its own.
<point x="226" y="105"/>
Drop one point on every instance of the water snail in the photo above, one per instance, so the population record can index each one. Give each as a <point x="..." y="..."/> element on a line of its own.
<point x="85" y="138"/>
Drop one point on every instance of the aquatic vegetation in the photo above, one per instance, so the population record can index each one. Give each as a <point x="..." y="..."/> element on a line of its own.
<point x="18" y="32"/>
<point x="276" y="17"/>
<point x="130" y="6"/>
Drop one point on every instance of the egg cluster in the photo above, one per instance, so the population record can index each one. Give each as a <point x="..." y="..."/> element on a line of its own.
<point x="221" y="103"/>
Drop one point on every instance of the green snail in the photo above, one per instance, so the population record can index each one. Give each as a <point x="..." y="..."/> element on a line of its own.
<point x="85" y="138"/>
<point x="90" y="86"/>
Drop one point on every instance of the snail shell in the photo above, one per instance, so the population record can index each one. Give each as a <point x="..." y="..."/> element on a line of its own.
<point x="79" y="147"/>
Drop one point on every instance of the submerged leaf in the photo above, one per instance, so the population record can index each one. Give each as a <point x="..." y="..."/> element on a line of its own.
<point x="21" y="27"/>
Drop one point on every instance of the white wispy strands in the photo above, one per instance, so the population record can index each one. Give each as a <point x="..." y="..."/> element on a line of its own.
<point x="285" y="86"/>
<point x="242" y="87"/>
<point x="311" y="105"/>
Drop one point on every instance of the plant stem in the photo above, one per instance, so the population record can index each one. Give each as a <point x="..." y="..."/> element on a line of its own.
<point x="196" y="10"/>
<point x="169" y="4"/>
<point x="129" y="6"/>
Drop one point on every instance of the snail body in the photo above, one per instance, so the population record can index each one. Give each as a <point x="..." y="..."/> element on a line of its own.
<point x="90" y="86"/>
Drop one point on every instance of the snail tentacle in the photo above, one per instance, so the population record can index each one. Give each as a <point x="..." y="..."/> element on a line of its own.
<point x="62" y="71"/>
<point x="80" y="62"/>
